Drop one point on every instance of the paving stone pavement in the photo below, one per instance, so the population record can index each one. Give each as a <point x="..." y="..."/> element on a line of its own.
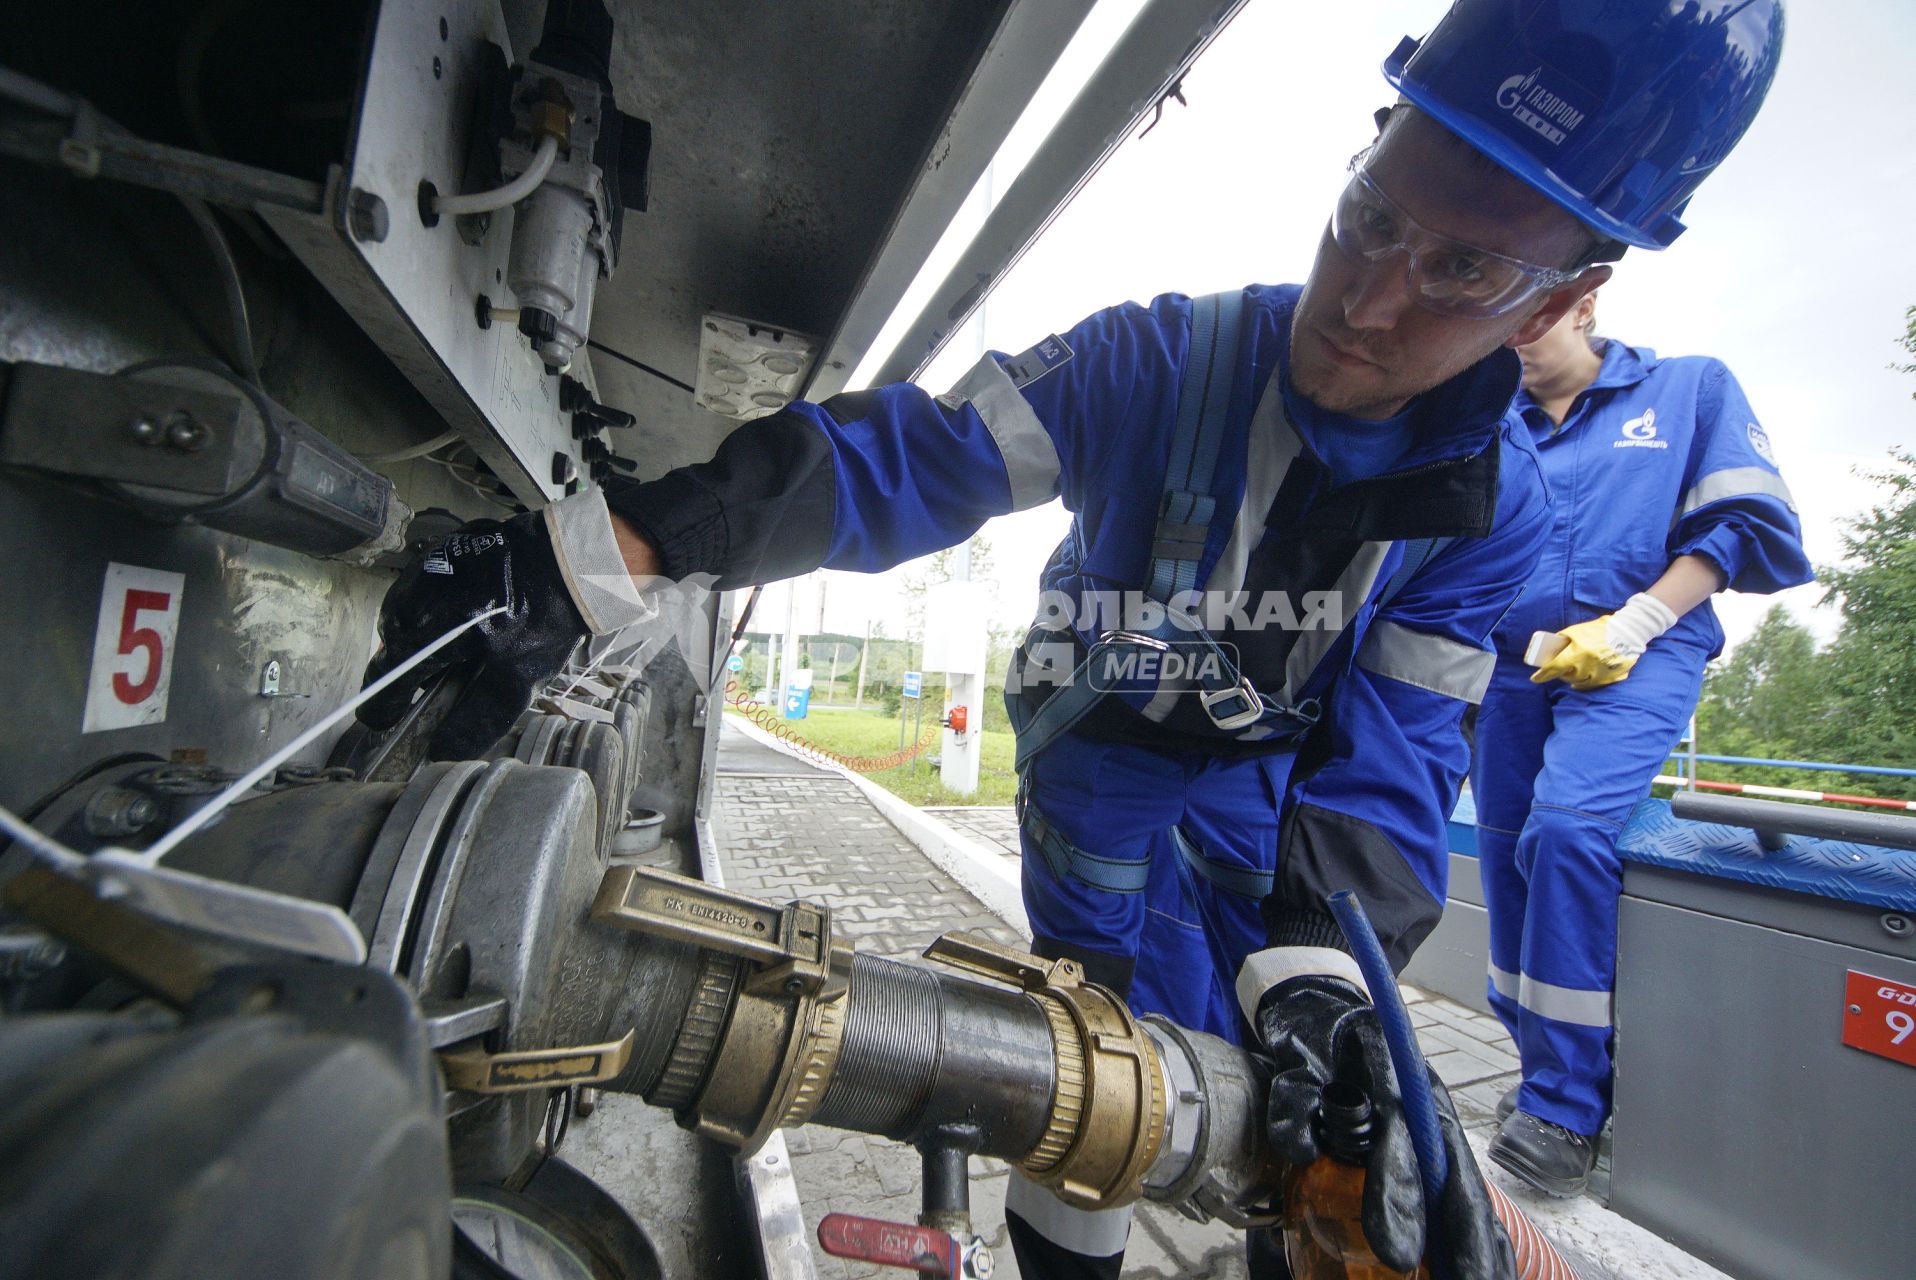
<point x="994" y="825"/>
<point x="812" y="834"/>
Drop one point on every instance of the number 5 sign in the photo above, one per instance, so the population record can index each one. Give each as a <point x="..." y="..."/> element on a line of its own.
<point x="133" y="648"/>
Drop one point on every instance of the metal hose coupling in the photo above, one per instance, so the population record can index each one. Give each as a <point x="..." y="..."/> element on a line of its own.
<point x="1106" y="1123"/>
<point x="761" y="1035"/>
<point x="771" y="1023"/>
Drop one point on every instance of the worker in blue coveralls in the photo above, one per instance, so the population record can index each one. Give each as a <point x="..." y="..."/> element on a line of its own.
<point x="1664" y="491"/>
<point x="1313" y="499"/>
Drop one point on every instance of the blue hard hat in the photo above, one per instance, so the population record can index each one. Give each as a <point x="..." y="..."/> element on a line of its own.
<point x="1616" y="111"/>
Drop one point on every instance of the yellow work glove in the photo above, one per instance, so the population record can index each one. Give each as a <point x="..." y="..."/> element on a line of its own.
<point x="1603" y="650"/>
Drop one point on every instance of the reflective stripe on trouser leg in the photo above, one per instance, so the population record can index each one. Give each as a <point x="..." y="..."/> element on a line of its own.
<point x="1511" y="729"/>
<point x="1604" y="748"/>
<point x="1082" y="1233"/>
<point x="1504" y="900"/>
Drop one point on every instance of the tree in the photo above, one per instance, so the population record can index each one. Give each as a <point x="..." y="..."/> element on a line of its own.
<point x="1770" y="699"/>
<point x="1908" y="343"/>
<point x="1856" y="700"/>
<point x="1872" y="663"/>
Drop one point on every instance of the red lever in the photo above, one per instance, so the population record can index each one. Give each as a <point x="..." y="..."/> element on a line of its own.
<point x="890" y="1244"/>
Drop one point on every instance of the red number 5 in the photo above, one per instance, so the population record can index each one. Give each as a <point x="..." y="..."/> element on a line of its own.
<point x="137" y="637"/>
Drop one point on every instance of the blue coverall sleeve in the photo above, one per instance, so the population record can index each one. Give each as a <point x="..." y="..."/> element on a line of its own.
<point x="1371" y="816"/>
<point x="870" y="479"/>
<point x="1735" y="507"/>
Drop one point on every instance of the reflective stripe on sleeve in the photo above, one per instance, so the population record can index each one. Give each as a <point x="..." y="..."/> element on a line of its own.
<point x="1547" y="1000"/>
<point x="1736" y="482"/>
<point x="1031" y="460"/>
<point x="1096" y="1233"/>
<point x="1437" y="663"/>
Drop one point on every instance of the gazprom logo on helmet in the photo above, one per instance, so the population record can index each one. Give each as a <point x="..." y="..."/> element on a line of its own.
<point x="1537" y="108"/>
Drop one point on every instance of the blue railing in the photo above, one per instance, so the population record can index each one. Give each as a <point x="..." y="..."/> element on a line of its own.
<point x="1883" y="770"/>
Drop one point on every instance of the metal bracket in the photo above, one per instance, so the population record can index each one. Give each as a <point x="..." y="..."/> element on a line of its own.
<point x="476" y="1071"/>
<point x="127" y="430"/>
<point x="790" y="945"/>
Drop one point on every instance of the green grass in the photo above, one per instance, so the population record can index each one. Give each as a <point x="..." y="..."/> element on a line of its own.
<point x="873" y="733"/>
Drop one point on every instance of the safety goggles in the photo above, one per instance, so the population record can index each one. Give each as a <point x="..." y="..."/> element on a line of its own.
<point x="1449" y="276"/>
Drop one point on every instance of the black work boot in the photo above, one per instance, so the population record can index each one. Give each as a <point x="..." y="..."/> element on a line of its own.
<point x="1507" y="1103"/>
<point x="1551" y="1158"/>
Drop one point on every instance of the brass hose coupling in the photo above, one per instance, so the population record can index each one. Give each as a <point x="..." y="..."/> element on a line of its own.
<point x="757" y="1048"/>
<point x="1107" y="1110"/>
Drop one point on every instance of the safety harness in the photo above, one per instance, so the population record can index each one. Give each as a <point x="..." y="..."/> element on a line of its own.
<point x="1227" y="696"/>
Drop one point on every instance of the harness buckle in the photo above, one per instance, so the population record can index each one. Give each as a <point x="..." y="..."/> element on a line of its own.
<point x="1218" y="705"/>
<point x="1135" y="637"/>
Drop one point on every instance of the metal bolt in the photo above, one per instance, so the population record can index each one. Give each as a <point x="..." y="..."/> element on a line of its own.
<point x="366" y="216"/>
<point x="145" y="430"/>
<point x="269" y="680"/>
<point x="116" y="812"/>
<point x="1895" y="925"/>
<point x="186" y="434"/>
<point x="1855" y="1009"/>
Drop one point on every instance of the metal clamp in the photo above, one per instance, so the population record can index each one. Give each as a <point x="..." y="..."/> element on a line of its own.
<point x="771" y="1048"/>
<point x="476" y="1071"/>
<point x="791" y="945"/>
<point x="974" y="953"/>
<point x="1108" y="1110"/>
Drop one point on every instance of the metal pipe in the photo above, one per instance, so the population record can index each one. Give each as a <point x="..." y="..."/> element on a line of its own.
<point x="744" y="1016"/>
<point x="1824" y="824"/>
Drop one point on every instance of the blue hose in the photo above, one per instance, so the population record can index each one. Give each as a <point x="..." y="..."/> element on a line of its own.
<point x="1413" y="1079"/>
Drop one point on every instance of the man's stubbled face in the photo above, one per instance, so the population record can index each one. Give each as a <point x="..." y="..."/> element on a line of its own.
<point x="1360" y="343"/>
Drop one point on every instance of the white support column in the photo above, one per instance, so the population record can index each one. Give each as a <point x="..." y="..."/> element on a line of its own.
<point x="955" y="642"/>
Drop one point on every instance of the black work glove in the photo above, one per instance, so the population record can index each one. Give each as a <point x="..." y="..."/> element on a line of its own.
<point x="1318" y="1029"/>
<point x="484" y="565"/>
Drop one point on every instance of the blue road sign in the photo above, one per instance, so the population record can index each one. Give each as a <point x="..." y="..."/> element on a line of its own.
<point x="914" y="683"/>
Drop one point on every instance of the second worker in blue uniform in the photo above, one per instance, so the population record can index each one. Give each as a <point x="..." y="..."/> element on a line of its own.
<point x="1664" y="490"/>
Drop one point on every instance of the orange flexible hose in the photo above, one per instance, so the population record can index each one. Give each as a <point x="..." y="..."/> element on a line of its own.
<point x="771" y="721"/>
<point x="1537" y="1258"/>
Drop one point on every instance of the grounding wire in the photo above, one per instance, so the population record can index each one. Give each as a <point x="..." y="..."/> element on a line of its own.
<point x="640" y="365"/>
<point x="212" y="809"/>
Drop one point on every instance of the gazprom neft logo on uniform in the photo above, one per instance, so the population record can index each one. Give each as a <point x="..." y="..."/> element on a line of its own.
<point x="1640" y="432"/>
<point x="1548" y="113"/>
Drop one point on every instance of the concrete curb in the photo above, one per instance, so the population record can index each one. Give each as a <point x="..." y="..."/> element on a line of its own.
<point x="986" y="874"/>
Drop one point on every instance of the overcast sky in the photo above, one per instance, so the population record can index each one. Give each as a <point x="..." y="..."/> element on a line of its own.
<point x="1796" y="270"/>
